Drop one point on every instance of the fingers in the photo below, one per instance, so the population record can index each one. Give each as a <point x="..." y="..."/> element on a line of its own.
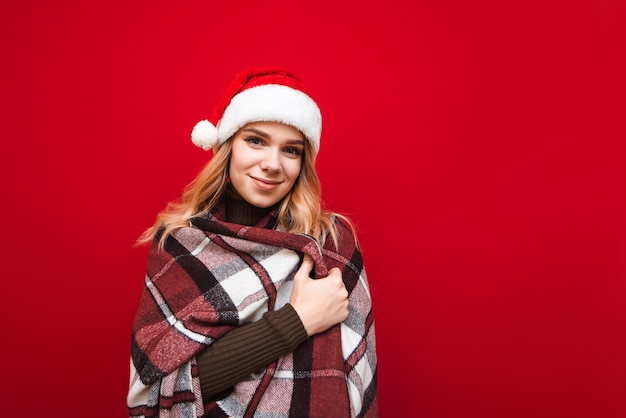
<point x="335" y="277"/>
<point x="322" y="303"/>
<point x="307" y="266"/>
<point x="334" y="270"/>
<point x="336" y="274"/>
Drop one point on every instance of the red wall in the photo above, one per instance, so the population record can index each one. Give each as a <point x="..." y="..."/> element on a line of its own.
<point x="479" y="146"/>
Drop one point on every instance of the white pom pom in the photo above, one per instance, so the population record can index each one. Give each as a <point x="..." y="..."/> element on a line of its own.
<point x="204" y="135"/>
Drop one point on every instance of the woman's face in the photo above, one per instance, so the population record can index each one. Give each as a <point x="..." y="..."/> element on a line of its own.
<point x="265" y="161"/>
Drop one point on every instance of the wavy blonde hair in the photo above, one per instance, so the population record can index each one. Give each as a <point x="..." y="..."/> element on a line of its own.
<point x="300" y="210"/>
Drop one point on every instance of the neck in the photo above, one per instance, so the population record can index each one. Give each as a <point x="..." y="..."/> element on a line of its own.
<point x="239" y="211"/>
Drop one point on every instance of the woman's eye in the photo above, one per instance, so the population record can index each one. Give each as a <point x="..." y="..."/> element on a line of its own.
<point x="293" y="151"/>
<point x="254" y="140"/>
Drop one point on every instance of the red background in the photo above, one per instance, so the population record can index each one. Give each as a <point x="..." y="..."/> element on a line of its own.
<point x="479" y="147"/>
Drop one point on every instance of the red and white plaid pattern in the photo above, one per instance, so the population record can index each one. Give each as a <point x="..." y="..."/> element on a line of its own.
<point x="214" y="276"/>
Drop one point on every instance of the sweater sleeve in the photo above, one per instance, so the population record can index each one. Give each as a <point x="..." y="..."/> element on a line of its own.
<point x="247" y="349"/>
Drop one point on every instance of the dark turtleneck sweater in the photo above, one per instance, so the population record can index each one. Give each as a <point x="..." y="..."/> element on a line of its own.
<point x="251" y="347"/>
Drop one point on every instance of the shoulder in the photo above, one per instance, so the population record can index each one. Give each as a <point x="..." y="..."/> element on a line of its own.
<point x="342" y="250"/>
<point x="343" y="225"/>
<point x="178" y="239"/>
<point x="341" y="234"/>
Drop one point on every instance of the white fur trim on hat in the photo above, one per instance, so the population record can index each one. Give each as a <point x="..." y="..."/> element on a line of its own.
<point x="272" y="103"/>
<point x="204" y="135"/>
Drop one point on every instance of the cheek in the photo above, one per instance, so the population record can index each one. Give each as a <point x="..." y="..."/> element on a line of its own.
<point x="294" y="170"/>
<point x="238" y="159"/>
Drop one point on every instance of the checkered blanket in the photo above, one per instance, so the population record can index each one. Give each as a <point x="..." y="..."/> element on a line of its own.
<point x="214" y="276"/>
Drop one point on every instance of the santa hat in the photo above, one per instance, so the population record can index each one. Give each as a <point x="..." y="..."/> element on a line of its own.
<point x="261" y="94"/>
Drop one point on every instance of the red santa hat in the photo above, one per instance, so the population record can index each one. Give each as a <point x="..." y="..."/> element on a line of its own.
<point x="261" y="94"/>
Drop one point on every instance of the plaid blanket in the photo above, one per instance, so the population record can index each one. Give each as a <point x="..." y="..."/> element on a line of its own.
<point x="214" y="276"/>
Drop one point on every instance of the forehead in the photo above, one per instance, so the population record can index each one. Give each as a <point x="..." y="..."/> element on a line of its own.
<point x="275" y="130"/>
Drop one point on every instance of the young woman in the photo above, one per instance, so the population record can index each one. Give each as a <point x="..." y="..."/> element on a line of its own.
<point x="256" y="302"/>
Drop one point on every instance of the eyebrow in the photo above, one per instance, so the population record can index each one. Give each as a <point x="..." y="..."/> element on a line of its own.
<point x="266" y="135"/>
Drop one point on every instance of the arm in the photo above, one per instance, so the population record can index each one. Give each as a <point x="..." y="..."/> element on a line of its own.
<point x="247" y="349"/>
<point x="315" y="306"/>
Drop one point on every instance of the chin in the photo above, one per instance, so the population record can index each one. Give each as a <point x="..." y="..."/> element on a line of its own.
<point x="263" y="203"/>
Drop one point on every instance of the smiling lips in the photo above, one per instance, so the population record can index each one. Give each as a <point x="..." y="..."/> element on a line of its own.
<point x="264" y="184"/>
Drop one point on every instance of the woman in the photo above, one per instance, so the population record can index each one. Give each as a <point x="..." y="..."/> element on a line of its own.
<point x="256" y="301"/>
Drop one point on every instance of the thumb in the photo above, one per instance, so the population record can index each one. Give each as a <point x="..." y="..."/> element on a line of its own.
<point x="305" y="267"/>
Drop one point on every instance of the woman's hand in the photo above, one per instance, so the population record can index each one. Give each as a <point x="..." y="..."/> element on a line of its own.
<point x="320" y="303"/>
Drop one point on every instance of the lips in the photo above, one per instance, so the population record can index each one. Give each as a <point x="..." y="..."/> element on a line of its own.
<point x="265" y="184"/>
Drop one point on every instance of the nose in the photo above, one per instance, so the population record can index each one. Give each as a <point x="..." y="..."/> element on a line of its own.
<point x="271" y="160"/>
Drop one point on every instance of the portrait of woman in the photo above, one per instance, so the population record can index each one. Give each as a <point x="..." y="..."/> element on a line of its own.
<point x="256" y="301"/>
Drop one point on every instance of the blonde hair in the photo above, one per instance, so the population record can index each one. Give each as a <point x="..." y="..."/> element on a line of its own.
<point x="300" y="210"/>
